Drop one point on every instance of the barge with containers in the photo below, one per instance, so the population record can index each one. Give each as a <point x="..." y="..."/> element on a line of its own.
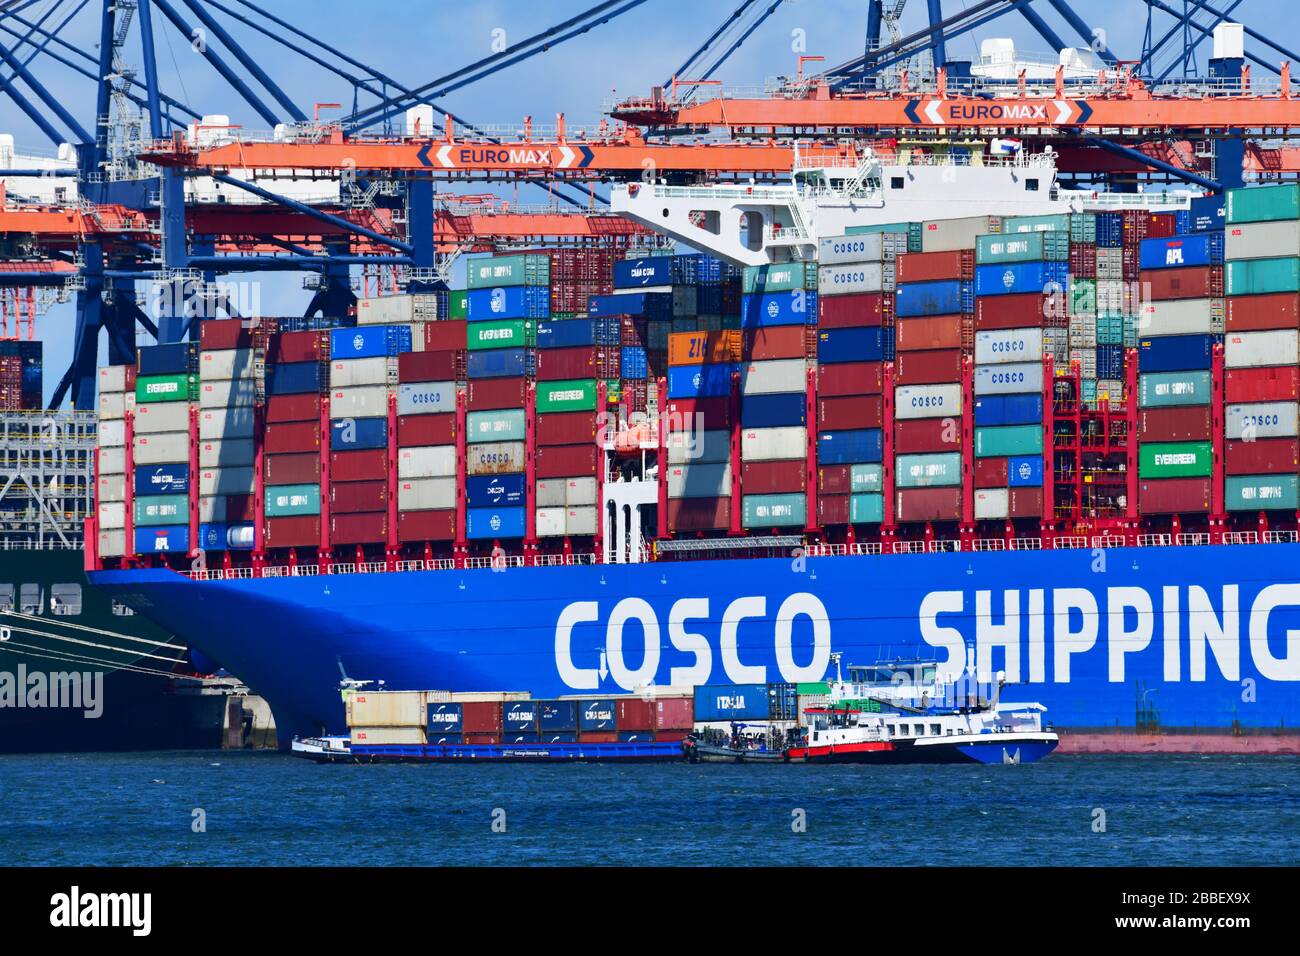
<point x="1064" y="442"/>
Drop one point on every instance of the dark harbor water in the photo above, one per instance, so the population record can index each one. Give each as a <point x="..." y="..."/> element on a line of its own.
<point x="269" y="809"/>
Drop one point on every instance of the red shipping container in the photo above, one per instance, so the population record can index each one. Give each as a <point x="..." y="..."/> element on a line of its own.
<point x="775" y="342"/>
<point x="565" y="461"/>
<point x="556" y="364"/>
<point x="1083" y="260"/>
<point x="634" y="713"/>
<point x="481" y="717"/>
<point x="671" y="736"/>
<point x="1278" y="383"/>
<point x="1265" y="456"/>
<point x="302" y="469"/>
<point x="716" y="412"/>
<point x="566" y="428"/>
<point x="832" y="510"/>
<point x="598" y="736"/>
<point x="359" y="528"/>
<point x="1021" y="311"/>
<point x="850" y="412"/>
<point x="1025" y="502"/>
<point x="1253" y="313"/>
<point x="293" y="408"/>
<point x="834" y="480"/>
<point x="485" y="394"/>
<point x="935" y="266"/>
<point x="1180" y="423"/>
<point x="298" y="347"/>
<point x="1174" y="496"/>
<point x="1194" y="282"/>
<point x="224" y="334"/>
<point x="773" y="477"/>
<point x="485" y="740"/>
<point x="918" y="436"/>
<point x="699" y="514"/>
<point x="426" y="526"/>
<point x="426" y="366"/>
<point x="928" y="504"/>
<point x="369" y="464"/>
<point x="287" y="437"/>
<point x="928" y="332"/>
<point x="990" y="472"/>
<point x="927" y="368"/>
<point x="673" y="713"/>
<point x="417" y="430"/>
<point x="358" y="497"/>
<point x="241" y="508"/>
<point x="850" y="311"/>
<point x="449" y="335"/>
<point x="850" y="378"/>
<point x="302" y="531"/>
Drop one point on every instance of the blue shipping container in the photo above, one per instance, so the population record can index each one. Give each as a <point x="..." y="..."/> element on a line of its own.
<point x="1025" y="471"/>
<point x="1009" y="409"/>
<point x="356" y="434"/>
<point x="1175" y="353"/>
<point x="652" y="305"/>
<point x="494" y="491"/>
<point x="500" y="363"/>
<point x="162" y="479"/>
<point x="168" y="539"/>
<point x="520" y="737"/>
<point x="636" y="736"/>
<point x="444" y="718"/>
<point x="566" y="333"/>
<point x="1016" y="277"/>
<point x="858" y="446"/>
<point x="1110" y="361"/>
<point x="557" y="714"/>
<point x="643" y="273"/>
<point x="444" y="740"/>
<point x="850" y="345"/>
<point x="633" y="362"/>
<point x="296" y="378"/>
<point x="798" y="307"/>
<point x="519" y="715"/>
<point x="1206" y="212"/>
<point x="487" y="523"/>
<point x="597" y="715"/>
<point x="1195" y="249"/>
<point x="508" y="302"/>
<point x="370" y="341"/>
<point x="780" y="410"/>
<point x="558" y="737"/>
<point x="731" y="702"/>
<point x="1110" y="229"/>
<point x="179" y="358"/>
<point x="700" y="381"/>
<point x="708" y="299"/>
<point x="928" y="298"/>
<point x="212" y="537"/>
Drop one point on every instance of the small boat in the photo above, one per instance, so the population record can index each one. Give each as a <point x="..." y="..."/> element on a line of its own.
<point x="716" y="746"/>
<point x="322" y="749"/>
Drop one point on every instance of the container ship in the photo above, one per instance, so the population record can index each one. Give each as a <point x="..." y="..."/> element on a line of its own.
<point x="1060" y="442"/>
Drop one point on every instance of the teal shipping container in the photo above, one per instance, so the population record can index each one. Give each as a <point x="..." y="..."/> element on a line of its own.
<point x="1262" y="276"/>
<point x="774" y="511"/>
<point x="1262" y="492"/>
<point x="1263" y="204"/>
<point x="1004" y="441"/>
<point x="867" y="509"/>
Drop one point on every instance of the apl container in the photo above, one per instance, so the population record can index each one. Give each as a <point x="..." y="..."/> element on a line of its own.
<point x="1197" y="249"/>
<point x="162" y="540"/>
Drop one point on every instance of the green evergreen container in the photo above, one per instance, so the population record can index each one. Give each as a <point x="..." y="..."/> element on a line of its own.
<point x="505" y="424"/>
<point x="284" y="501"/>
<point x="779" y="277"/>
<point x="1176" y="459"/>
<point x="1262" y="492"/>
<point x="503" y="334"/>
<point x="1083" y="296"/>
<point x="496" y="271"/>
<point x="867" y="508"/>
<point x="1004" y="440"/>
<point x="1167" y="389"/>
<point x="866" y="478"/>
<point x="774" y="511"/>
<point x="167" y="388"/>
<point x="458" y="304"/>
<point x="1263" y="203"/>
<point x="1022" y="247"/>
<point x="1260" y="276"/>
<point x="928" y="471"/>
<point x="806" y="688"/>
<point x="162" y="509"/>
<point x="572" y="395"/>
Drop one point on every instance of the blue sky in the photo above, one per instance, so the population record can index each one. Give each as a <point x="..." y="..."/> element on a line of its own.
<point x="418" y="41"/>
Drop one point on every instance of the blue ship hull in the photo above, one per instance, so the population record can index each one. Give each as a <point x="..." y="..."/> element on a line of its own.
<point x="1187" y="638"/>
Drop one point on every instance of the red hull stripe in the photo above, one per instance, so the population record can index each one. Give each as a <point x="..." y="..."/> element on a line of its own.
<point x="802" y="753"/>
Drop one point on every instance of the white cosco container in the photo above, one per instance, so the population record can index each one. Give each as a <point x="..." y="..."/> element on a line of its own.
<point x="871" y="247"/>
<point x="112" y="433"/>
<point x="1255" y="349"/>
<point x="1262" y="240"/>
<point x="221" y="364"/>
<point x="692" y="446"/>
<point x="850" y="278"/>
<point x="112" y="461"/>
<point x="426" y="461"/>
<point x="240" y="391"/>
<point x="1180" y="317"/>
<point x="495" y="458"/>
<point x="225" y="423"/>
<point x="699" y="481"/>
<point x="366" y="401"/>
<point x="349" y="373"/>
<point x="229" y="453"/>
<point x="774" y="444"/>
<point x="991" y="503"/>
<point x="225" y="481"/>
<point x="1261" y="420"/>
<point x="426" y="398"/>
<point x="927" y="401"/>
<point x="1010" y="379"/>
<point x="771" y="377"/>
<point x="112" y="543"/>
<point x="1008" y="345"/>
<point x="110" y="487"/>
<point x="426" y="494"/>
<point x="154" y="417"/>
<point x="112" y="514"/>
<point x="161" y="448"/>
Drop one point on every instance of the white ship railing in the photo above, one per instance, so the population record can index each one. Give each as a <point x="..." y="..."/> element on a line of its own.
<point x="1154" y="540"/>
<point x="988" y="544"/>
<point x="1241" y="537"/>
<point x="1109" y="541"/>
<point x="1026" y="544"/>
<point x="1281" y="537"/>
<point x="1195" y="537"/>
<point x="1069" y="541"/>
